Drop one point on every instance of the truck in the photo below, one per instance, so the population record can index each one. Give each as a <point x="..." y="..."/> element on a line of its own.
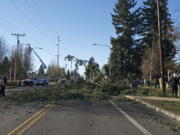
<point x="35" y="81"/>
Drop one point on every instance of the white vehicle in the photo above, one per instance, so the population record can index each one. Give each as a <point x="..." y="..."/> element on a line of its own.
<point x="36" y="81"/>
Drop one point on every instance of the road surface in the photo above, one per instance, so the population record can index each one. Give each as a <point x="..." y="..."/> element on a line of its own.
<point x="89" y="118"/>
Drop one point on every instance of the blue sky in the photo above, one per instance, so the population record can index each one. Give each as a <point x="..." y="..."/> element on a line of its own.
<point x="79" y="23"/>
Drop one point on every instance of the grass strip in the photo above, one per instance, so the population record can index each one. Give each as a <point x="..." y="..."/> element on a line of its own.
<point x="167" y="105"/>
<point x="150" y="91"/>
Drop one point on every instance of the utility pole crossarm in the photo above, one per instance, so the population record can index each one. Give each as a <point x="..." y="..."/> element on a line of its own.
<point x="14" y="34"/>
<point x="18" y="35"/>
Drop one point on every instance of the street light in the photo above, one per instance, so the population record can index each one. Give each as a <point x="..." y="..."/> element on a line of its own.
<point x="108" y="46"/>
<point x="102" y="45"/>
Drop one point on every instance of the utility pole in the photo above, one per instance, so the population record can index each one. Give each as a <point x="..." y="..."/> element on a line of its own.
<point x="16" y="53"/>
<point x="58" y="52"/>
<point x="161" y="48"/>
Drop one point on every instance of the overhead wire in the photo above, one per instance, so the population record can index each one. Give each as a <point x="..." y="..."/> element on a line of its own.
<point x="7" y="22"/>
<point x="37" y="14"/>
<point x="43" y="16"/>
<point x="28" y="18"/>
<point x="6" y="28"/>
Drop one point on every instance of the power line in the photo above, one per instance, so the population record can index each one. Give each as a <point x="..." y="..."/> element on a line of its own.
<point x="7" y="29"/>
<point x="9" y="25"/>
<point x="43" y="16"/>
<point x="37" y="14"/>
<point x="7" y="21"/>
<point x="25" y="16"/>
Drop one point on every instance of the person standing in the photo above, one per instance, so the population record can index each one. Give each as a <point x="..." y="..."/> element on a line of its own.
<point x="5" y="80"/>
<point x="3" y="86"/>
<point x="2" y="91"/>
<point x="174" y="84"/>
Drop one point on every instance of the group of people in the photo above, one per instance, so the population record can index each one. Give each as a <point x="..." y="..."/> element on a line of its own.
<point x="3" y="86"/>
<point x="173" y="82"/>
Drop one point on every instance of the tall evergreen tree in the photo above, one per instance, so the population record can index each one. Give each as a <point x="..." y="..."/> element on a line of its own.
<point x="150" y="28"/>
<point x="125" y="55"/>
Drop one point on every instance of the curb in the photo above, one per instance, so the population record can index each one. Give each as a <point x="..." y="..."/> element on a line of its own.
<point x="159" y="98"/>
<point x="165" y="112"/>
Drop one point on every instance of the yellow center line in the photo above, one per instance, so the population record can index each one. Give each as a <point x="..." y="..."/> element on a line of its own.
<point x="31" y="121"/>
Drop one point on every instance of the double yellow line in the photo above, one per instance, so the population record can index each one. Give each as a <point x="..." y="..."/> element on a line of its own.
<point x="31" y="121"/>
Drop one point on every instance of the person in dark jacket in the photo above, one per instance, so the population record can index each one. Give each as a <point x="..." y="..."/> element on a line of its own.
<point x="2" y="90"/>
<point x="5" y="80"/>
<point x="174" y="84"/>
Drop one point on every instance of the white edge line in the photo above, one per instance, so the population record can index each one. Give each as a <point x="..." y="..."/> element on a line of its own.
<point x="134" y="122"/>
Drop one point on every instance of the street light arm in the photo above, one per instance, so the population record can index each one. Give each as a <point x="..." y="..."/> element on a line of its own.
<point x="102" y="45"/>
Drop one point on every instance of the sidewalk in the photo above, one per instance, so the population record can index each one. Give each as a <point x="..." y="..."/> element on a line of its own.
<point x="159" y="98"/>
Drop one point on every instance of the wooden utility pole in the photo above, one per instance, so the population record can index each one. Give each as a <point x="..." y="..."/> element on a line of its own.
<point x="161" y="48"/>
<point x="16" y="53"/>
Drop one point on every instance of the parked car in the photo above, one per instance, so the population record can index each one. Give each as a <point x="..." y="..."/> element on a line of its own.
<point x="65" y="81"/>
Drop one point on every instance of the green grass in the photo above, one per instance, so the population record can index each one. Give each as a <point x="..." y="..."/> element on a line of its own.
<point x="150" y="91"/>
<point x="167" y="105"/>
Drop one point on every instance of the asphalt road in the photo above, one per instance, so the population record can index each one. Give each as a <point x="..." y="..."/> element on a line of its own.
<point x="87" y="118"/>
<point x="12" y="114"/>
